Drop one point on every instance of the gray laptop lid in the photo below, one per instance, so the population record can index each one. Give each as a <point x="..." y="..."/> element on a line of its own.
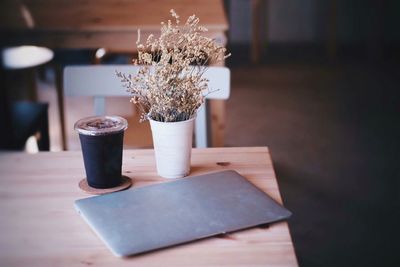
<point x="156" y="216"/>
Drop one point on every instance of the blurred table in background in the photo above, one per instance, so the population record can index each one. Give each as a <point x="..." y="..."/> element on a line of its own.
<point x="108" y="24"/>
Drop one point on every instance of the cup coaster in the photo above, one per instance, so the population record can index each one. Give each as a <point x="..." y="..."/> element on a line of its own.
<point x="126" y="183"/>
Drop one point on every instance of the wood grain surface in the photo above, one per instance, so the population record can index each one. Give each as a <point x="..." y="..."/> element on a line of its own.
<point x="40" y="227"/>
<point x="111" y="24"/>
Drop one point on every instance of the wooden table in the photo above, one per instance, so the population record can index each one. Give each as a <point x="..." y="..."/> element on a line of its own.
<point x="109" y="24"/>
<point x="40" y="227"/>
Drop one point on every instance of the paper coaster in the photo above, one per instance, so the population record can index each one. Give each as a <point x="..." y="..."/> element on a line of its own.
<point x="126" y="183"/>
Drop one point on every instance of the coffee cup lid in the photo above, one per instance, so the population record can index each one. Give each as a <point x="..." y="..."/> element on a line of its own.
<point x="101" y="125"/>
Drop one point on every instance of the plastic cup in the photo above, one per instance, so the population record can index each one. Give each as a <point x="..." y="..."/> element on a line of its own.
<point x="101" y="140"/>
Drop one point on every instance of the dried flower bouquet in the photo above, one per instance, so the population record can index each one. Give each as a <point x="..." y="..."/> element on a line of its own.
<point x="169" y="85"/>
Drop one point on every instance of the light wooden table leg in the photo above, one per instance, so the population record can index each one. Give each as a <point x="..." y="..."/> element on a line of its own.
<point x="60" y="103"/>
<point x="218" y="118"/>
<point x="259" y="29"/>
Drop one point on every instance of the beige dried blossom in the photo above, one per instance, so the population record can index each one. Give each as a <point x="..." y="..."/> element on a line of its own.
<point x="169" y="85"/>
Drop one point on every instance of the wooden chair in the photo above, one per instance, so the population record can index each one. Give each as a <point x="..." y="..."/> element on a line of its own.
<point x="100" y="81"/>
<point x="22" y="118"/>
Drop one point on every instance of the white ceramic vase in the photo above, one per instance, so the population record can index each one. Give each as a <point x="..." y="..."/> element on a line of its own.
<point x="173" y="147"/>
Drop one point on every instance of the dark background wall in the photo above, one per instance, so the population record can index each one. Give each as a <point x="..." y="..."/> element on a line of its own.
<point x="359" y="27"/>
<point x="306" y="20"/>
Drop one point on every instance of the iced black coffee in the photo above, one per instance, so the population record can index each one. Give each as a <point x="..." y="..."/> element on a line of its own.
<point x="102" y="141"/>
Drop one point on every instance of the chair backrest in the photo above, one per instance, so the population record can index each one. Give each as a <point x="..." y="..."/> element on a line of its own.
<point x="100" y="81"/>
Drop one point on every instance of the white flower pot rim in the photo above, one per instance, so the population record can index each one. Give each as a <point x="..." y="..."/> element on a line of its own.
<point x="168" y="122"/>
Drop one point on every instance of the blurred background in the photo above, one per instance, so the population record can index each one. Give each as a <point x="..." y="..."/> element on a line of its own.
<point x="315" y="81"/>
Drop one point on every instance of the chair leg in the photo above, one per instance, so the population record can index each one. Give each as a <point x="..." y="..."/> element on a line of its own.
<point x="60" y="102"/>
<point x="44" y="140"/>
<point x="201" y="127"/>
<point x="217" y="122"/>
